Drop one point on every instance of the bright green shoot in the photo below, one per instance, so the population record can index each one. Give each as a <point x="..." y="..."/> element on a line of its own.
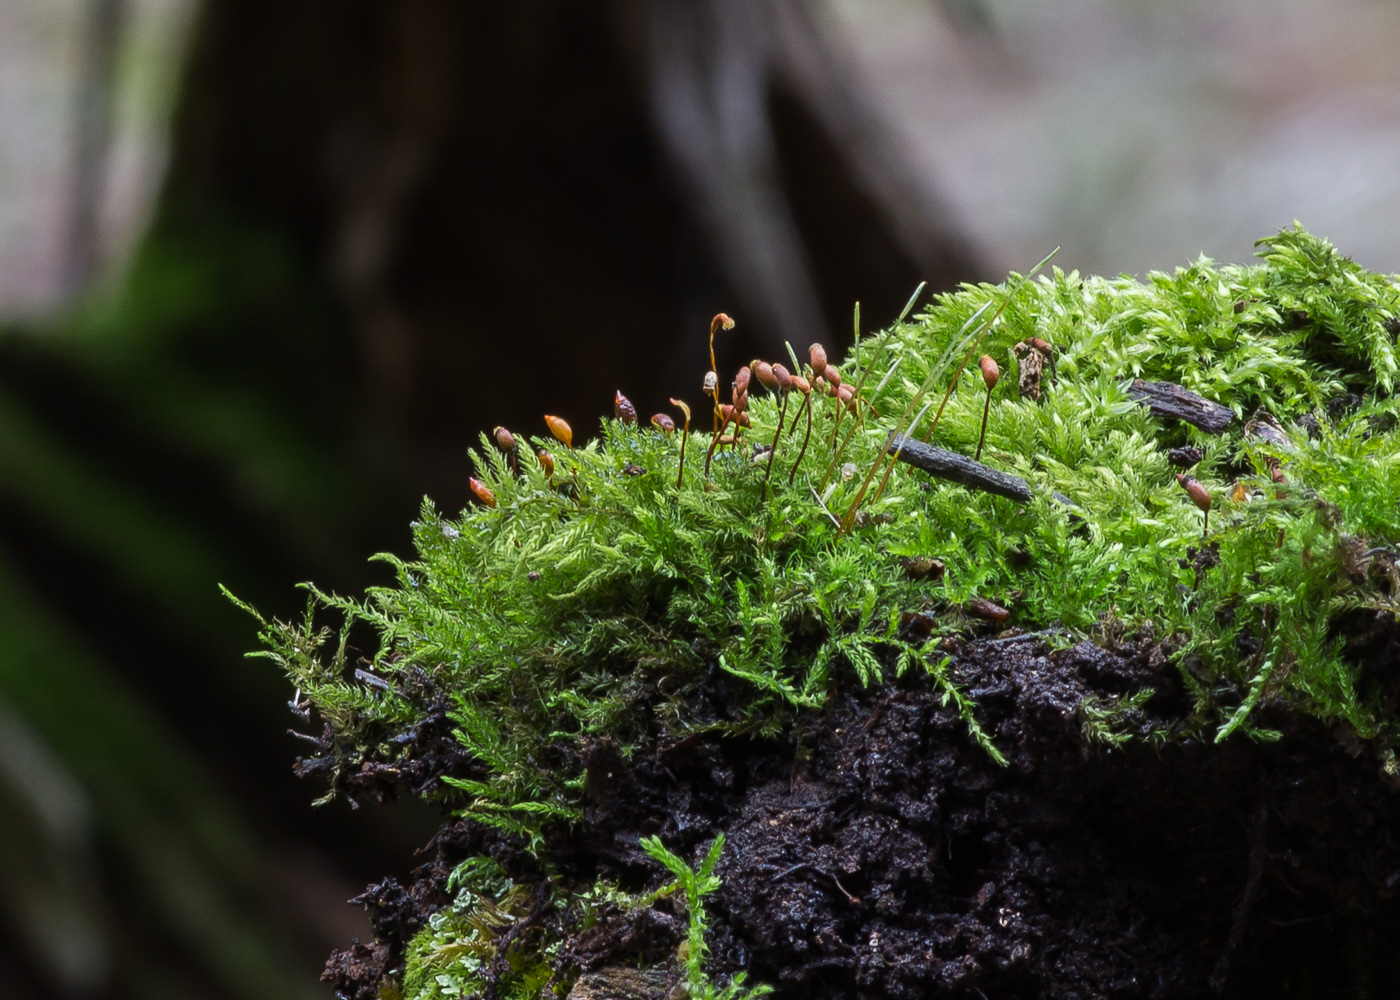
<point x="696" y="884"/>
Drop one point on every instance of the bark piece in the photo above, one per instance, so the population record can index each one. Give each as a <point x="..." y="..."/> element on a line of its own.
<point x="1031" y="363"/>
<point x="1167" y="399"/>
<point x="959" y="469"/>
<point x="1184" y="458"/>
<point x="620" y="983"/>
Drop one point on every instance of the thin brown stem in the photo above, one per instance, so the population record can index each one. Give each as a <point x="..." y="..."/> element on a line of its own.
<point x="685" y="438"/>
<point x="857" y="425"/>
<point x="773" y="451"/>
<point x="860" y="422"/>
<point x="807" y="437"/>
<point x="719" y="433"/>
<point x="986" y="409"/>
<point x="889" y="470"/>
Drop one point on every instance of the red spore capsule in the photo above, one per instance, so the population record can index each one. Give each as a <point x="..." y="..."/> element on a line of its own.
<point x="623" y="409"/>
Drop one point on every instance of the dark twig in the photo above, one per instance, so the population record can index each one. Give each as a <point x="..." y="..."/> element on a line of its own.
<point x="959" y="469"/>
<point x="1167" y="399"/>
<point x="804" y="866"/>
<point x="368" y="678"/>
<point x="1023" y="637"/>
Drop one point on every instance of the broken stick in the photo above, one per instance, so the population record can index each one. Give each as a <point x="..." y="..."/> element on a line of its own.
<point x="955" y="468"/>
<point x="1167" y="399"/>
<point x="959" y="469"/>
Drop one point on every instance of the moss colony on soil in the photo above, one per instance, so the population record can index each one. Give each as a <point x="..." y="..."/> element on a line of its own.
<point x="1084" y="743"/>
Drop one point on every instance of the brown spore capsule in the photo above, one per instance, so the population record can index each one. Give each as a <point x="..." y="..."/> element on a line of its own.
<point x="505" y="440"/>
<point x="662" y="422"/>
<point x="623" y="409"/>
<point x="832" y="375"/>
<point x="801" y="384"/>
<point x="1199" y="495"/>
<point x="783" y="376"/>
<point x="990" y="372"/>
<point x="817" y="353"/>
<point x="980" y="607"/>
<point x="763" y="371"/>
<point x="741" y="381"/>
<point x="547" y="463"/>
<point x="482" y="492"/>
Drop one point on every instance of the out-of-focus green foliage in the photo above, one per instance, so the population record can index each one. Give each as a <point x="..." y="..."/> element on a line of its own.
<point x="152" y="443"/>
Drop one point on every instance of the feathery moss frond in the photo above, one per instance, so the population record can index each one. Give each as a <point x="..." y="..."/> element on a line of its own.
<point x="605" y="600"/>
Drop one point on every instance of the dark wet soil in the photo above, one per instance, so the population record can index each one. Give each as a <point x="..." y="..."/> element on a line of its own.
<point x="882" y="853"/>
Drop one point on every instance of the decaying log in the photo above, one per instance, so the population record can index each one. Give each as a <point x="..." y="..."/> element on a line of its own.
<point x="620" y="983"/>
<point x="959" y="469"/>
<point x="1167" y="399"/>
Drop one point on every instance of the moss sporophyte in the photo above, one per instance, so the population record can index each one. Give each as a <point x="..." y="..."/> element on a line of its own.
<point x="635" y="599"/>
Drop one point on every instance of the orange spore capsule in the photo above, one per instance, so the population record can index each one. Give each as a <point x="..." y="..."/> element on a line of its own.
<point x="720" y="322"/>
<point x="560" y="429"/>
<point x="482" y="493"/>
<point x="990" y="371"/>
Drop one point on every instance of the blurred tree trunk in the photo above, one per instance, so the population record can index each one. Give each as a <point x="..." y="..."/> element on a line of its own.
<point x="523" y="206"/>
<point x="386" y="228"/>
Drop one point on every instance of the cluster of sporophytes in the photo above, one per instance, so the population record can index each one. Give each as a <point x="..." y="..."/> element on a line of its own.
<point x="605" y="590"/>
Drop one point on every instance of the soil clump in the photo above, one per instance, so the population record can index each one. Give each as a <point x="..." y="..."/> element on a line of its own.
<point x="877" y="851"/>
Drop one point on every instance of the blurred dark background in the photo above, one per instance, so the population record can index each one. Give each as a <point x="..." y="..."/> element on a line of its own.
<point x="267" y="268"/>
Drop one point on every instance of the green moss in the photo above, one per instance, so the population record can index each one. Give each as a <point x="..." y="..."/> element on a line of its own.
<point x="606" y="599"/>
<point x="450" y="956"/>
